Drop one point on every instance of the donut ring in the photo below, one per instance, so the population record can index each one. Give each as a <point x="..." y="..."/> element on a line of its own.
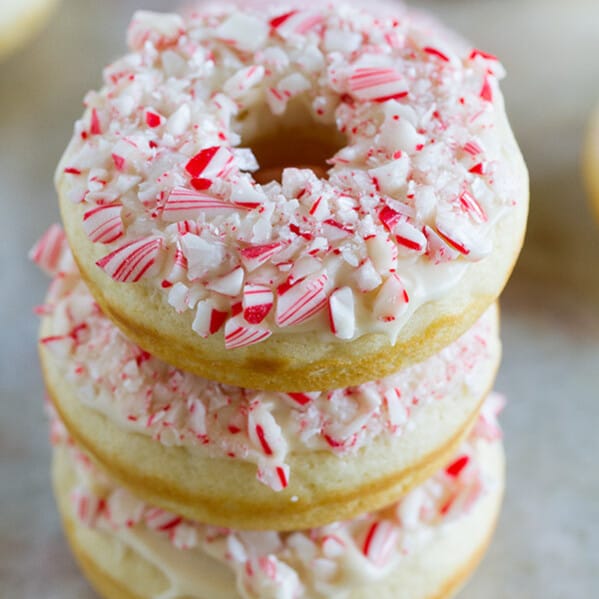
<point x="310" y="283"/>
<point x="250" y="459"/>
<point x="433" y="568"/>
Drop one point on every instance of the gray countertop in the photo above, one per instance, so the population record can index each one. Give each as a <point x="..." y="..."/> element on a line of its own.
<point x="547" y="543"/>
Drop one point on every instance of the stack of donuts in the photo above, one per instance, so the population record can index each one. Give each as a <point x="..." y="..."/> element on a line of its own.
<point x="272" y="332"/>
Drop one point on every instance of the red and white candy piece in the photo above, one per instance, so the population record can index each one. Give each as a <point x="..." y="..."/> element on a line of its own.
<point x="396" y="410"/>
<point x="455" y="468"/>
<point x="132" y="261"/>
<point x="122" y="509"/>
<point x="376" y="84"/>
<point x="159" y="519"/>
<point x="409" y="237"/>
<point x="103" y="224"/>
<point x="229" y="284"/>
<point x="297" y="22"/>
<point x="238" y="333"/>
<point x="301" y="301"/>
<point x="153" y="119"/>
<point x="60" y="346"/>
<point x="342" y="314"/>
<point x="185" y="204"/>
<point x="240" y="83"/>
<point x="178" y="269"/>
<point x="257" y="302"/>
<point x="88" y="507"/>
<point x="254" y="256"/>
<point x="391" y="300"/>
<point x="211" y="163"/>
<point x="437" y="248"/>
<point x="303" y="399"/>
<point x="275" y="477"/>
<point x="264" y="432"/>
<point x="47" y="252"/>
<point x="208" y="319"/>
<point x="244" y="32"/>
<point x="469" y="203"/>
<point x="380" y="542"/>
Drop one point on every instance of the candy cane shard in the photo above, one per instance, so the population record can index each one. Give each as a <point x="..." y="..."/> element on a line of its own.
<point x="254" y="256"/>
<point x="396" y="410"/>
<point x="295" y="22"/>
<point x="275" y="477"/>
<point x="122" y="509"/>
<point x="153" y="119"/>
<point x="342" y="316"/>
<point x="88" y="507"/>
<point x="211" y="163"/>
<point x="380" y="542"/>
<point x="486" y="91"/>
<point x="257" y="302"/>
<point x="159" y="519"/>
<point x="229" y="284"/>
<point x="436" y="52"/>
<point x="178" y="270"/>
<point x="47" y="252"/>
<point x="103" y="224"/>
<point x="264" y="432"/>
<point x="391" y="300"/>
<point x="375" y="84"/>
<point x="132" y="261"/>
<point x="455" y="468"/>
<point x="437" y="249"/>
<point x="239" y="333"/>
<point x="245" y="32"/>
<point x="208" y="319"/>
<point x="60" y="346"/>
<point x="383" y="253"/>
<point x="301" y="301"/>
<point x="186" y="204"/>
<point x="409" y="237"/>
<point x="239" y="84"/>
<point x="303" y="399"/>
<point x="472" y="207"/>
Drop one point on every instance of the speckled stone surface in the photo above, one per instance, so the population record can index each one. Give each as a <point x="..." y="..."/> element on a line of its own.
<point x="547" y="544"/>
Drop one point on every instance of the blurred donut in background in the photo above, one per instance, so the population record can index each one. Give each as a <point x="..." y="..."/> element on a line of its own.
<point x="20" y="20"/>
<point x="591" y="161"/>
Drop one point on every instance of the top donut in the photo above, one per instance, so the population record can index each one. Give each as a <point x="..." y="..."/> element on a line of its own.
<point x="294" y="199"/>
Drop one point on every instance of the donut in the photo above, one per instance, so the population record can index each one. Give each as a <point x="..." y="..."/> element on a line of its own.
<point x="20" y="20"/>
<point x="423" y="546"/>
<point x="591" y="162"/>
<point x="294" y="197"/>
<point x="236" y="457"/>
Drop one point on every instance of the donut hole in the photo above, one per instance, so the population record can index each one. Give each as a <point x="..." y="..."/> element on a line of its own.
<point x="294" y="139"/>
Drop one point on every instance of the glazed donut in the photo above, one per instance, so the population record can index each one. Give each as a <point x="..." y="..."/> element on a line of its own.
<point x="395" y="215"/>
<point x="591" y="161"/>
<point x="423" y="546"/>
<point x="216" y="453"/>
<point x="21" y="20"/>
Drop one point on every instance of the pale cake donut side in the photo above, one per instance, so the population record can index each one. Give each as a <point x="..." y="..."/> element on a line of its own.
<point x="423" y="546"/>
<point x="217" y="452"/>
<point x="591" y="161"/>
<point x="20" y="20"/>
<point x="313" y="282"/>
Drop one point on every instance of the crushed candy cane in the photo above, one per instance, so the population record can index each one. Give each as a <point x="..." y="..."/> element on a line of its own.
<point x="162" y="163"/>
<point x="305" y="563"/>
<point x="141" y="393"/>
